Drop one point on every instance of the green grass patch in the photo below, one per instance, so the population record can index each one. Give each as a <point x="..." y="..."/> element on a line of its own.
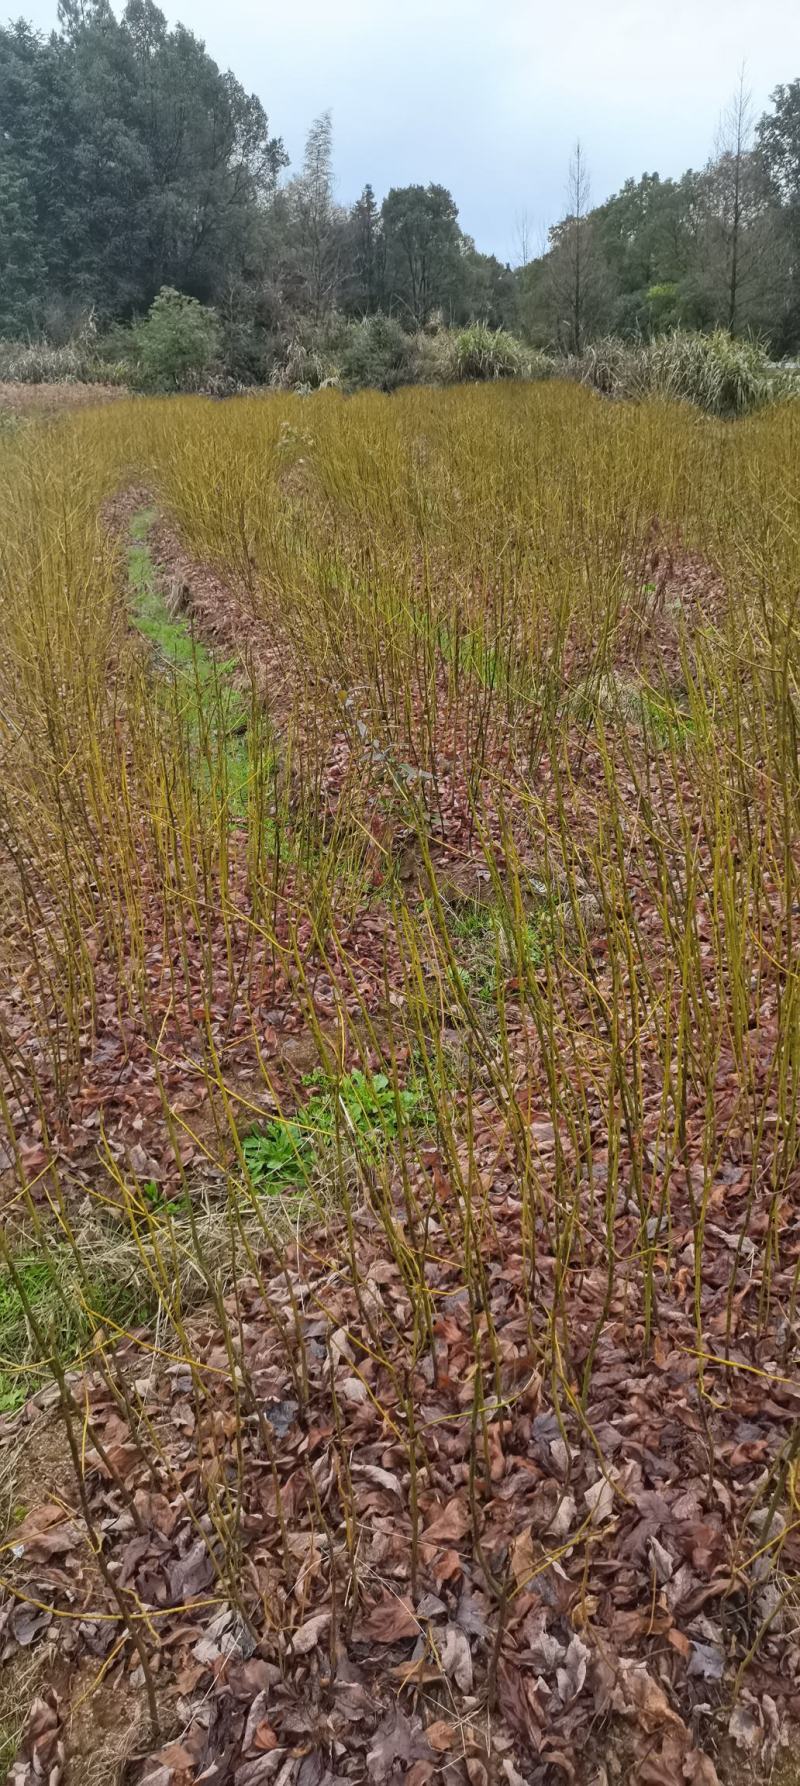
<point x="210" y="705"/>
<point x="468" y="652"/>
<point x="68" y="1307"/>
<point x="489" y="946"/>
<point x="625" y="700"/>
<point x="664" y="721"/>
<point x="11" y="1729"/>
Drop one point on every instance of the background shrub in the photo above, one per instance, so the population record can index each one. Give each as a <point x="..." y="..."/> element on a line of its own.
<point x="304" y="363"/>
<point x="176" y="343"/>
<point x="483" y="353"/>
<point x="377" y="353"/>
<point x="723" y="375"/>
<point x="433" y="359"/>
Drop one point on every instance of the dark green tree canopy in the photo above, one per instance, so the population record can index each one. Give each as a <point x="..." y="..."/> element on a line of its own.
<point x="423" y="243"/>
<point x="143" y="164"/>
<point x="129" y="163"/>
<point x="779" y="143"/>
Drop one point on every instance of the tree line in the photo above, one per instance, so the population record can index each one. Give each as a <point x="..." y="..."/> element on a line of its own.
<point x="129" y="162"/>
<point x="717" y="248"/>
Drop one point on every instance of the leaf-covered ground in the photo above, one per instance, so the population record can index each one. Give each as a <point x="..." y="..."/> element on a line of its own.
<point x="458" y="1436"/>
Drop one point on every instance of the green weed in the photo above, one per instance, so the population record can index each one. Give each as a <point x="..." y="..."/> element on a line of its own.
<point x="631" y="702"/>
<point x="279" y="1157"/>
<point x="11" y="1729"/>
<point x="159" y="1203"/>
<point x="366" y="1111"/>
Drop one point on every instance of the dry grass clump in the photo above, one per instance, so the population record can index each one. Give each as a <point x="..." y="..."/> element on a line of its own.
<point x="42" y="363"/>
<point x="722" y="375"/>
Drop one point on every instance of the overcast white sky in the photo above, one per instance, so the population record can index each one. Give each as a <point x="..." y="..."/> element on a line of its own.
<point x="487" y="96"/>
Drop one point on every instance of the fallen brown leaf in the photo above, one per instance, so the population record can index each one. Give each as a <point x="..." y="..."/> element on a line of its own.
<point x="441" y="1735"/>
<point x="389" y="1620"/>
<point x="449" y="1525"/>
<point x="639" y="1696"/>
<point x="40" y="1761"/>
<point x="308" y="1635"/>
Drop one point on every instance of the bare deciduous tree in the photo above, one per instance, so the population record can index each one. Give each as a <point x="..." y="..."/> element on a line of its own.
<point x="571" y="275"/>
<point x="522" y="236"/>
<point x="733" y="147"/>
<point x="579" y="194"/>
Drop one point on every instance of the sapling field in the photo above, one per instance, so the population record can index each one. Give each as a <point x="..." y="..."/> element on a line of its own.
<point x="399" y="1056"/>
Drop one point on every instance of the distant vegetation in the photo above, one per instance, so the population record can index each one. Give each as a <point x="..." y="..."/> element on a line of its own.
<point x="151" y="233"/>
<point x="177" y="347"/>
